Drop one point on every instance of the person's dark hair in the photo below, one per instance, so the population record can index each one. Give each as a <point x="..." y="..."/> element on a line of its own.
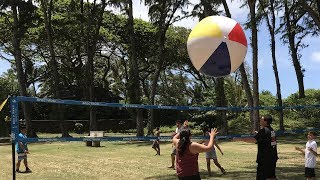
<point x="313" y="133"/>
<point x="23" y="127"/>
<point x="267" y="118"/>
<point x="178" y="121"/>
<point x="157" y="128"/>
<point x="184" y="141"/>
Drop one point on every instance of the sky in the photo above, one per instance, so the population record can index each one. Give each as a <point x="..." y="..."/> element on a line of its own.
<point x="310" y="59"/>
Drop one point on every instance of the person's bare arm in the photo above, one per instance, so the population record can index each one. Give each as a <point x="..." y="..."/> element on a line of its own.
<point x="199" y="148"/>
<point x="312" y="151"/>
<point x="23" y="148"/>
<point x="175" y="139"/>
<point x="300" y="150"/>
<point x="215" y="143"/>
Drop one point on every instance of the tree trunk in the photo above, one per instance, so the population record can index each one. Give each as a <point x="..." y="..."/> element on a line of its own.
<point x="54" y="66"/>
<point x="139" y="117"/>
<point x="221" y="102"/>
<point x="92" y="38"/>
<point x="244" y="78"/>
<point x="220" y="99"/>
<point x="274" y="61"/>
<point x="315" y="15"/>
<point x="156" y="75"/>
<point x="293" y="50"/>
<point x="16" y="40"/>
<point x="133" y="82"/>
<point x="318" y="7"/>
<point x="254" y="45"/>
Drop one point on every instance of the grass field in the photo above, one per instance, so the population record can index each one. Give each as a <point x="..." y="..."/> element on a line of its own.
<point x="122" y="160"/>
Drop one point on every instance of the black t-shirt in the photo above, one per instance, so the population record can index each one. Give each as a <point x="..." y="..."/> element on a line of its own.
<point x="267" y="145"/>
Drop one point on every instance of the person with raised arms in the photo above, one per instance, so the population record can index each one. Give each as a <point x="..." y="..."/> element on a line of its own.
<point x="187" y="153"/>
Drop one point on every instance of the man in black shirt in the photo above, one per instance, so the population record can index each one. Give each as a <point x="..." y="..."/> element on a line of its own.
<point x="267" y="149"/>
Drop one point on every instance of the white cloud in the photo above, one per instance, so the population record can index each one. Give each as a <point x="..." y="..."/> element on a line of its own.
<point x="238" y="14"/>
<point x="140" y="10"/>
<point x="261" y="62"/>
<point x="315" y="56"/>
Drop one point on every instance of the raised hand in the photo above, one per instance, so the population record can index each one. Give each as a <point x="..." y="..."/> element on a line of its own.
<point x="213" y="132"/>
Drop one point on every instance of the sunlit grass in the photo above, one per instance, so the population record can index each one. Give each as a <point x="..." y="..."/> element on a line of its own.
<point x="125" y="160"/>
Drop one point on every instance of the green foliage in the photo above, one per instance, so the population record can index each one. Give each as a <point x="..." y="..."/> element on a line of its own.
<point x="307" y="117"/>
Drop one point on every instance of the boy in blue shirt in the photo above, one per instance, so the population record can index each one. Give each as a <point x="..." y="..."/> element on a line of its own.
<point x="22" y="151"/>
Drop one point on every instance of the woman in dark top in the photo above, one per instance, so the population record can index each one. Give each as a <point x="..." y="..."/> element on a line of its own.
<point x="188" y="152"/>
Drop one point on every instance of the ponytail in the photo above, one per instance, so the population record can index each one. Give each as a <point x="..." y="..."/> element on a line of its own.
<point x="184" y="141"/>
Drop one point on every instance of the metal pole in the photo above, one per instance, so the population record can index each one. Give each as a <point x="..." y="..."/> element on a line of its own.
<point x="13" y="162"/>
<point x="14" y="108"/>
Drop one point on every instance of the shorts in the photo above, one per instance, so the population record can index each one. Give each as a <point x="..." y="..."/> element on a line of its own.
<point x="309" y="172"/>
<point x="174" y="151"/>
<point x="155" y="144"/>
<point x="22" y="156"/>
<point x="211" y="155"/>
<point x="266" y="170"/>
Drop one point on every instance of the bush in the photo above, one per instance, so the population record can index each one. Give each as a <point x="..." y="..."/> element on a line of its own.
<point x="79" y="128"/>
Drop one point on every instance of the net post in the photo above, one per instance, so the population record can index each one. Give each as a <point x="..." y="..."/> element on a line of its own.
<point x="14" y="108"/>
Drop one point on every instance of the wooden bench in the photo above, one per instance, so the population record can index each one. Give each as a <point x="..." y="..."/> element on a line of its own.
<point x="94" y="134"/>
<point x="5" y="139"/>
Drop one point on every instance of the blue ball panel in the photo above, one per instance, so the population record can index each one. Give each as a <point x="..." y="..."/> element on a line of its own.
<point x="219" y="63"/>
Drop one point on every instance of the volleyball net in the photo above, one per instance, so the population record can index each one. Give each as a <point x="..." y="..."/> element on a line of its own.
<point x="108" y="109"/>
<point x="107" y="113"/>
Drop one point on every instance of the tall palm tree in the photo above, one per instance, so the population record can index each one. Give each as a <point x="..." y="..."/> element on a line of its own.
<point x="254" y="45"/>
<point x="163" y="14"/>
<point x="209" y="8"/>
<point x="291" y="31"/>
<point x="243" y="73"/>
<point x="268" y="12"/>
<point x="313" y="12"/>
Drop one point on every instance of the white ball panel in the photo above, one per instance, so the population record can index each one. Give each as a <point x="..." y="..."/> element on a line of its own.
<point x="200" y="49"/>
<point x="237" y="52"/>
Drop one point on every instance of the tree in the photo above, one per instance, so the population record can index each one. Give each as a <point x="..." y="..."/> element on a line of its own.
<point x="94" y="22"/>
<point x="268" y="13"/>
<point x="313" y="10"/>
<point x="291" y="18"/>
<point x="22" y="14"/>
<point x="163" y="14"/>
<point x="47" y="12"/>
<point x="134" y="91"/>
<point x="243" y="74"/>
<point x="254" y="45"/>
<point x="8" y="86"/>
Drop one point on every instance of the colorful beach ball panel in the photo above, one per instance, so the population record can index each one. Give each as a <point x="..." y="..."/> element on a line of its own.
<point x="217" y="46"/>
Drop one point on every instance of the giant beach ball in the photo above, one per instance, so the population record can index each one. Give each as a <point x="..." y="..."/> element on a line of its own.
<point x="217" y="46"/>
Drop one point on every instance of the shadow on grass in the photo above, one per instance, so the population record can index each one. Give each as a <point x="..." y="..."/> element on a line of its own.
<point x="283" y="173"/>
<point x="292" y="139"/>
<point x="291" y="172"/>
<point x="141" y="143"/>
<point x="204" y="175"/>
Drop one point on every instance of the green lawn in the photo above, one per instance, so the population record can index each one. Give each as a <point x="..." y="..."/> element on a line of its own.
<point x="121" y="160"/>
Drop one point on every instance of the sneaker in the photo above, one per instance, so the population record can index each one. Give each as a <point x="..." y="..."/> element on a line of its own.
<point x="18" y="171"/>
<point x="28" y="170"/>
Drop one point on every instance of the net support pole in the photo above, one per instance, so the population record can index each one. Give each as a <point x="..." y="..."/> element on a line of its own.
<point x="14" y="108"/>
